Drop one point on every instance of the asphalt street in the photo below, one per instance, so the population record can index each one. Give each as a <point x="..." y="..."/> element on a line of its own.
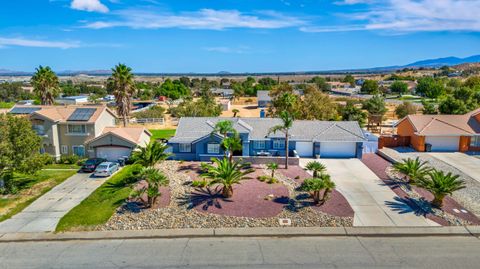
<point x="298" y="252"/>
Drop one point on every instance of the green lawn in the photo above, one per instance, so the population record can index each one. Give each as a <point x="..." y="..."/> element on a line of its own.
<point x="162" y="134"/>
<point x="97" y="208"/>
<point x="62" y="166"/>
<point x="30" y="188"/>
<point x="6" y="104"/>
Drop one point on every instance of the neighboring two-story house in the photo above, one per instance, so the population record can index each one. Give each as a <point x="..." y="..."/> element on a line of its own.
<point x="86" y="131"/>
<point x="194" y="139"/>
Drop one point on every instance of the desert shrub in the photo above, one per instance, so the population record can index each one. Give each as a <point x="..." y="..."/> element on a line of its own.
<point x="267" y="179"/>
<point x="199" y="183"/>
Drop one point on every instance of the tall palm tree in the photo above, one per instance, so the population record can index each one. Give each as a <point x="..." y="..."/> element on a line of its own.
<point x="287" y="123"/>
<point x="413" y="169"/>
<point x="226" y="173"/>
<point x="45" y="85"/>
<point x="124" y="88"/>
<point x="315" y="185"/>
<point x="440" y="185"/>
<point x="231" y="144"/>
<point x="154" y="179"/>
<point x="316" y="167"/>
<point x="151" y="154"/>
<point x="224" y="127"/>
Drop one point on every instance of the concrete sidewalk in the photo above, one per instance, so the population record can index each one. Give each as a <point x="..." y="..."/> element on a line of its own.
<point x="374" y="203"/>
<point x="44" y="214"/>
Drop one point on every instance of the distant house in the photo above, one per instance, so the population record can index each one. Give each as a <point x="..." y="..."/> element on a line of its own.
<point x="223" y="92"/>
<point x="442" y="132"/>
<point x="263" y="98"/>
<point x="194" y="140"/>
<point x="26" y="102"/>
<point x="86" y="131"/>
<point x="347" y="91"/>
<point x="226" y="104"/>
<point x="72" y="100"/>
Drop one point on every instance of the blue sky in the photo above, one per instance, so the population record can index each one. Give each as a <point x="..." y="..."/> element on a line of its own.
<point x="234" y="35"/>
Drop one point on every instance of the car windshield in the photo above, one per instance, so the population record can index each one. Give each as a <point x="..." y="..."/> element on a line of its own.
<point x="90" y="161"/>
<point x="103" y="166"/>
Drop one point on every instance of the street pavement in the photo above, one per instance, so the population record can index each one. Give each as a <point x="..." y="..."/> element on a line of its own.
<point x="44" y="214"/>
<point x="463" y="162"/>
<point x="278" y="253"/>
<point x="374" y="203"/>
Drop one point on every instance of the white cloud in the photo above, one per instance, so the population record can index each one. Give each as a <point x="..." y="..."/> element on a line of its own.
<point x="202" y="19"/>
<point x="403" y="16"/>
<point x="89" y="5"/>
<point x="23" y="42"/>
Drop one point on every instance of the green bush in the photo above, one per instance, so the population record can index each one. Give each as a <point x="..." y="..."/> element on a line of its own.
<point x="267" y="179"/>
<point x="47" y="159"/>
<point x="199" y="183"/>
<point x="69" y="159"/>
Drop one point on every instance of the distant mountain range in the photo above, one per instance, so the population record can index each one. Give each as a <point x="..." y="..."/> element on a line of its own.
<point x="430" y="63"/>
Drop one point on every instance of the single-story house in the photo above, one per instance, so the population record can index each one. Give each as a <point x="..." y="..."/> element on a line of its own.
<point x="72" y="100"/>
<point x="442" y="132"/>
<point x="263" y="98"/>
<point x="194" y="139"/>
<point x="117" y="142"/>
<point x="225" y="93"/>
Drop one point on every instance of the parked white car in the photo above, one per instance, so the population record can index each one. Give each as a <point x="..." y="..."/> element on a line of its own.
<point x="106" y="169"/>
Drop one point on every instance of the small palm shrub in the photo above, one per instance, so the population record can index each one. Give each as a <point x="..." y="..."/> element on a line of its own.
<point x="413" y="169"/>
<point x="225" y="173"/>
<point x="154" y="179"/>
<point x="315" y="185"/>
<point x="440" y="185"/>
<point x="272" y="167"/>
<point x="151" y="154"/>
<point x="316" y="167"/>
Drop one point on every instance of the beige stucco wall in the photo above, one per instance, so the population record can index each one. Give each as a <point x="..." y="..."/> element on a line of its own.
<point x="104" y="120"/>
<point x="110" y="140"/>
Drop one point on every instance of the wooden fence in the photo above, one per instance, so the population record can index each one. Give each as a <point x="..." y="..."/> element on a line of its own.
<point x="392" y="141"/>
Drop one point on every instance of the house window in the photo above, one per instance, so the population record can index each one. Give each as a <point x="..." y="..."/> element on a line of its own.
<point x="42" y="150"/>
<point x="185" y="147"/>
<point x="39" y="129"/>
<point x="77" y="129"/>
<point x="213" y="148"/>
<point x="64" y="149"/>
<point x="78" y="150"/>
<point x="278" y="144"/>
<point x="259" y="144"/>
<point x="475" y="142"/>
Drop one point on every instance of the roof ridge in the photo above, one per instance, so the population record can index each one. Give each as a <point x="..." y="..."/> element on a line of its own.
<point x="453" y="125"/>
<point x="326" y="129"/>
<point x="348" y="131"/>
<point x="426" y="125"/>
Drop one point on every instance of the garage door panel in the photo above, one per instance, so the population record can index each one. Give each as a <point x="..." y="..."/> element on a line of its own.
<point x="112" y="153"/>
<point x="338" y="149"/>
<point x="443" y="143"/>
<point x="304" y="149"/>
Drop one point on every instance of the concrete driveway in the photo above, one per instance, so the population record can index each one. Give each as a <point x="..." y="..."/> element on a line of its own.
<point x="463" y="162"/>
<point x="44" y="214"/>
<point x="374" y="203"/>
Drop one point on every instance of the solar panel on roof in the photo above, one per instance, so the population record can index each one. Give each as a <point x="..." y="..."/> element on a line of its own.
<point x="82" y="114"/>
<point x="24" y="110"/>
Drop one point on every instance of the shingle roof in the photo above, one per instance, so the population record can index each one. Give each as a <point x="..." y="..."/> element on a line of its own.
<point x="263" y="96"/>
<point x="190" y="129"/>
<point x="437" y="125"/>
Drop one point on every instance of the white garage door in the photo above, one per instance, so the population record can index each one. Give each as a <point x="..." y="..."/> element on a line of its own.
<point x="338" y="149"/>
<point x="112" y="153"/>
<point x="443" y="143"/>
<point x="304" y="149"/>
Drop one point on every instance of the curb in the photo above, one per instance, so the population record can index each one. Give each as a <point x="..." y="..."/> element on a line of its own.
<point x="246" y="232"/>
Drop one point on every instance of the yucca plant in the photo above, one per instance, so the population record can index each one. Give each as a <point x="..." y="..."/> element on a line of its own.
<point x="316" y="167"/>
<point x="226" y="173"/>
<point x="413" y="169"/>
<point x="315" y="185"/>
<point x="272" y="167"/>
<point x="154" y="179"/>
<point x="440" y="185"/>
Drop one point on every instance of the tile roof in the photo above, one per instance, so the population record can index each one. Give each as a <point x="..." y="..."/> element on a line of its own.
<point x="190" y="129"/>
<point x="437" y="125"/>
<point x="62" y="113"/>
<point x="132" y="134"/>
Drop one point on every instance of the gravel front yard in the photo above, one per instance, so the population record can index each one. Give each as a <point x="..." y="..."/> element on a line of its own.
<point x="241" y="211"/>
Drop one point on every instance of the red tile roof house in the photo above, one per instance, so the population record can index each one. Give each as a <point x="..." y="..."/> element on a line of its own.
<point x="444" y="132"/>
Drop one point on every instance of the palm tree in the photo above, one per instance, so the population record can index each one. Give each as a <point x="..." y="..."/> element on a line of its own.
<point x="224" y="127"/>
<point x="124" y="88"/>
<point x="287" y="123"/>
<point x="440" y="185"/>
<point x="154" y="179"/>
<point x="226" y="173"/>
<point x="412" y="169"/>
<point x="315" y="185"/>
<point x="316" y="167"/>
<point x="231" y="144"/>
<point x="272" y="167"/>
<point x="45" y="85"/>
<point x="235" y="112"/>
<point x="151" y="154"/>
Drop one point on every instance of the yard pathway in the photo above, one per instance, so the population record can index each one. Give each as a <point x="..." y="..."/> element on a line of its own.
<point x="374" y="203"/>
<point x="44" y="214"/>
